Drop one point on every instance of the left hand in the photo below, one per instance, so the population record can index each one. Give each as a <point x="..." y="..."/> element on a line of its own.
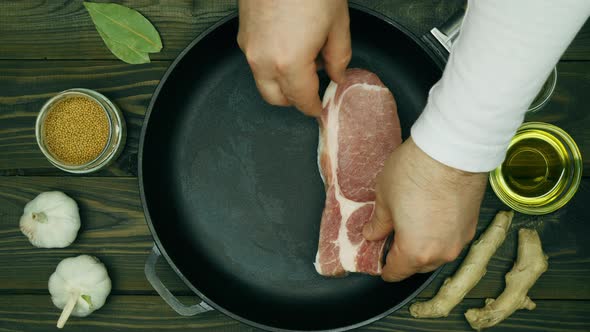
<point x="282" y="40"/>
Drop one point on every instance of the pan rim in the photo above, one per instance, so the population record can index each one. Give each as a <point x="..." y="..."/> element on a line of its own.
<point x="417" y="41"/>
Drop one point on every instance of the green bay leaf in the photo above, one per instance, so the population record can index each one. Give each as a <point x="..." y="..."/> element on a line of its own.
<point x="124" y="52"/>
<point x="126" y="28"/>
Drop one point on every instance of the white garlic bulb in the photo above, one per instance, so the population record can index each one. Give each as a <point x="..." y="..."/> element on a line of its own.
<point x="51" y="220"/>
<point x="79" y="286"/>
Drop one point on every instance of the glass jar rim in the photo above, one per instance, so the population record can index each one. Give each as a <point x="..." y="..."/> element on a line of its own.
<point x="114" y="118"/>
<point x="545" y="93"/>
<point x="574" y="178"/>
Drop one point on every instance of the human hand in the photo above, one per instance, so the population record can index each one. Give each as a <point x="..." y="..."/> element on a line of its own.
<point x="281" y="41"/>
<point x="433" y="209"/>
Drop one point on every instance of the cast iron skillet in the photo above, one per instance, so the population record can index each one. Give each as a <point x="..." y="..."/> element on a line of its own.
<point x="231" y="190"/>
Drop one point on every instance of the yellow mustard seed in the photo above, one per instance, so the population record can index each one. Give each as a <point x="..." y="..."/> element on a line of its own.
<point x="76" y="130"/>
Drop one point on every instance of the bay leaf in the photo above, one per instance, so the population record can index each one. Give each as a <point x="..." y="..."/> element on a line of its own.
<point x="124" y="52"/>
<point x="127" y="33"/>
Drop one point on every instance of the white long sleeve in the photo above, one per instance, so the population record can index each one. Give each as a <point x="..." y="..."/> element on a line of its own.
<point x="504" y="54"/>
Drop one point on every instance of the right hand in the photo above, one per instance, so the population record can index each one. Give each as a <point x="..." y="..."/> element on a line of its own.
<point x="282" y="40"/>
<point x="431" y="207"/>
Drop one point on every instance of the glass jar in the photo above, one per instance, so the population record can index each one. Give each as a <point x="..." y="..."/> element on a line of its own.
<point x="117" y="132"/>
<point x="545" y="93"/>
<point x="542" y="170"/>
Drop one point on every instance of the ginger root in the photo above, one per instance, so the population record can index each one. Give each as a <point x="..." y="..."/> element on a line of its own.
<point x="530" y="264"/>
<point x="469" y="273"/>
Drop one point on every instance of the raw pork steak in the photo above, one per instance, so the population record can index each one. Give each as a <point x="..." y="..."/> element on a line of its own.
<point x="359" y="128"/>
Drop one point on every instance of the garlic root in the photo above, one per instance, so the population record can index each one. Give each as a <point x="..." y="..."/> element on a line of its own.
<point x="531" y="262"/>
<point x="469" y="273"/>
<point x="80" y="285"/>
<point x="67" y="311"/>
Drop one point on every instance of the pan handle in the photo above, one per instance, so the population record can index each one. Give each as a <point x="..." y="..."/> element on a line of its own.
<point x="440" y="39"/>
<point x="448" y="32"/>
<point x="173" y="302"/>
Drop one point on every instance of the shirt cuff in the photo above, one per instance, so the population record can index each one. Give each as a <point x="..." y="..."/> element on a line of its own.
<point x="448" y="146"/>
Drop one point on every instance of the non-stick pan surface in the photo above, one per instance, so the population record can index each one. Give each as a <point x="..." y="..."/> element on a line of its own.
<point x="231" y="186"/>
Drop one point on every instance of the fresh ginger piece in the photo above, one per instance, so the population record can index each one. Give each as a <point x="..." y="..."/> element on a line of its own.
<point x="531" y="262"/>
<point x="469" y="273"/>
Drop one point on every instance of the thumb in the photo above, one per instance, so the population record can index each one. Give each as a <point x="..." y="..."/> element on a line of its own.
<point x="381" y="223"/>
<point x="300" y="85"/>
<point x="337" y="50"/>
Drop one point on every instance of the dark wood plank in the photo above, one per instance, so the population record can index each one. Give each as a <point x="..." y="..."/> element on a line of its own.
<point x="567" y="108"/>
<point x="114" y="230"/>
<point x="120" y="313"/>
<point x="35" y="29"/>
<point x="421" y="16"/>
<point x="548" y="316"/>
<point x="564" y="238"/>
<point x="67" y="33"/>
<point x="132" y="313"/>
<point x="57" y="30"/>
<point x="26" y="85"/>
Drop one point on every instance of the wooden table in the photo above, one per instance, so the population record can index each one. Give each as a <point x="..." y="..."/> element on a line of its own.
<point x="50" y="46"/>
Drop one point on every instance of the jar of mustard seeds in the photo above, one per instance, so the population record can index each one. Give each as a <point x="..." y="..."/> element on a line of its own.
<point x="80" y="131"/>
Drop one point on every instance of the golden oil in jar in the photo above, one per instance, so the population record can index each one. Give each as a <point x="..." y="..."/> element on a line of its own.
<point x="534" y="166"/>
<point x="541" y="171"/>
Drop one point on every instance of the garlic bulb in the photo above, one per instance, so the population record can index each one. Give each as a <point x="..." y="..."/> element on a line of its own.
<point x="79" y="286"/>
<point x="51" y="220"/>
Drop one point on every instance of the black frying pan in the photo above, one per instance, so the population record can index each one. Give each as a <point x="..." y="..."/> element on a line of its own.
<point x="231" y="189"/>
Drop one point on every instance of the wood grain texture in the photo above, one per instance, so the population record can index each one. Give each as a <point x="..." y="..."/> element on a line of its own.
<point x="36" y="36"/>
<point x="143" y="313"/>
<point x="548" y="316"/>
<point x="26" y="85"/>
<point x="35" y="29"/>
<point x="63" y="30"/>
<point x="114" y="230"/>
<point x="568" y="106"/>
<point x="120" y="313"/>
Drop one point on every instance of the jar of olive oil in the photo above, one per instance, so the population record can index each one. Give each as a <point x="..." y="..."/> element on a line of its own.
<point x="541" y="172"/>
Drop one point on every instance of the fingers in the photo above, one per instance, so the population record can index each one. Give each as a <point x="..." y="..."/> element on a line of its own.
<point x="397" y="265"/>
<point x="407" y="258"/>
<point x="381" y="224"/>
<point x="270" y="90"/>
<point x="337" y="52"/>
<point x="264" y="75"/>
<point x="400" y="264"/>
<point x="281" y="40"/>
<point x="288" y="83"/>
<point x="300" y="85"/>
